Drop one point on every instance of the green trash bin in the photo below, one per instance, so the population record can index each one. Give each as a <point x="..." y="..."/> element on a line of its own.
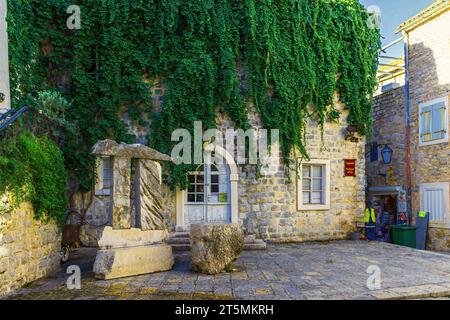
<point x="404" y="236"/>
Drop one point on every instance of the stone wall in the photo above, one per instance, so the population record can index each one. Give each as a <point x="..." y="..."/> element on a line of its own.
<point x="429" y="69"/>
<point x="389" y="127"/>
<point x="29" y="249"/>
<point x="268" y="204"/>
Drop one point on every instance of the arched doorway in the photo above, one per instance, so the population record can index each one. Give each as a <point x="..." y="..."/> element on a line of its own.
<point x="211" y="195"/>
<point x="207" y="198"/>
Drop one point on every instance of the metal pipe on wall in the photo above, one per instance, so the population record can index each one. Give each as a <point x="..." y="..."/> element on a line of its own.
<point x="408" y="127"/>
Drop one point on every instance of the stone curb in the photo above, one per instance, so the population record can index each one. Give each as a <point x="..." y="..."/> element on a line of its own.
<point x="414" y="292"/>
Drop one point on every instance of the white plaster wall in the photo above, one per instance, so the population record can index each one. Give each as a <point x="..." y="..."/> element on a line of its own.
<point x="4" y="70"/>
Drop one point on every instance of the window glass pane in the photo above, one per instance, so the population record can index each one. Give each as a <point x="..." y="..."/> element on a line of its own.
<point x="306" y="184"/>
<point x="306" y="171"/>
<point x="191" y="197"/>
<point x="200" y="178"/>
<point x="317" y="184"/>
<point x="374" y="152"/>
<point x="200" y="197"/>
<point x="200" y="188"/>
<point x="213" y="168"/>
<point x="316" y="197"/>
<point x="306" y="198"/>
<point x="214" y="188"/>
<point x="191" y="187"/>
<point x="106" y="172"/>
<point x="317" y="171"/>
<point x="191" y="178"/>
<point x="426" y="122"/>
<point x="215" y="178"/>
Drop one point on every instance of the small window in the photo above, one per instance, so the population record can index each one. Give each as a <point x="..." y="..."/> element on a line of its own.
<point x="433" y="122"/>
<point x="106" y="173"/>
<point x="373" y="152"/>
<point x="314" y="186"/>
<point x="434" y="200"/>
<point x="104" y="183"/>
<point x="313" y="191"/>
<point x="196" y="188"/>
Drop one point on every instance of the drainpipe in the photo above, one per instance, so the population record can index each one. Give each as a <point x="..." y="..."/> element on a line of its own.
<point x="408" y="127"/>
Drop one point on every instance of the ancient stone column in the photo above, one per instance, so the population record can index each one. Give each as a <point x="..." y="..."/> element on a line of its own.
<point x="121" y="193"/>
<point x="149" y="196"/>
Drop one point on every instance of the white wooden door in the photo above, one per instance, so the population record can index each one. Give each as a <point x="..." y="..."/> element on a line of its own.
<point x="208" y="196"/>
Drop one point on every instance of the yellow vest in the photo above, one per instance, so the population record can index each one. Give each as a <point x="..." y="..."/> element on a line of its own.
<point x="370" y="214"/>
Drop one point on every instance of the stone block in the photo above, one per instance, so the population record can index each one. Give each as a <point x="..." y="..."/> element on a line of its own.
<point x="124" y="262"/>
<point x="111" y="238"/>
<point x="214" y="246"/>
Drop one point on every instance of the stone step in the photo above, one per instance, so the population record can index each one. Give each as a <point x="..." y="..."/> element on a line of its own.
<point x="250" y="238"/>
<point x="179" y="235"/>
<point x="178" y="240"/>
<point x="257" y="245"/>
<point x="180" y="247"/>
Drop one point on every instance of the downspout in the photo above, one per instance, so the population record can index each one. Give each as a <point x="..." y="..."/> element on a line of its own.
<point x="408" y="127"/>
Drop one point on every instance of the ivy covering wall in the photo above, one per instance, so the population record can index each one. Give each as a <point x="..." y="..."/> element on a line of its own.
<point x="287" y="57"/>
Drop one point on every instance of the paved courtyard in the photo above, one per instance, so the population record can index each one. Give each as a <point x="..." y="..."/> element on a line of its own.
<point x="333" y="270"/>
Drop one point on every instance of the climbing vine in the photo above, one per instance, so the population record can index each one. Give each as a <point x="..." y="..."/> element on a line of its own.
<point x="32" y="169"/>
<point x="286" y="57"/>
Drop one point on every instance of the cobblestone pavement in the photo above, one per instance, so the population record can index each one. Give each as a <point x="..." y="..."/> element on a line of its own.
<point x="334" y="270"/>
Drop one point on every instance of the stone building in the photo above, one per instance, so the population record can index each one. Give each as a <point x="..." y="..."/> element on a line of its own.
<point x="424" y="170"/>
<point x="270" y="205"/>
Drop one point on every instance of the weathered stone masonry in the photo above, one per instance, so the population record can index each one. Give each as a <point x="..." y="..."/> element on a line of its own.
<point x="429" y="69"/>
<point x="389" y="118"/>
<point x="429" y="79"/>
<point x="268" y="204"/>
<point x="29" y="249"/>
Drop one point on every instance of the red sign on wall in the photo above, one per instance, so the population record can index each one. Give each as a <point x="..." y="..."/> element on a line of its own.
<point x="350" y="167"/>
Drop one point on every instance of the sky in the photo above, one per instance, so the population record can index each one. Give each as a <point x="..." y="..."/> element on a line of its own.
<point x="393" y="13"/>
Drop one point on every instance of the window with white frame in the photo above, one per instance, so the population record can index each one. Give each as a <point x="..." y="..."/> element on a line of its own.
<point x="104" y="176"/>
<point x="433" y="121"/>
<point x="314" y="185"/>
<point x="106" y="173"/>
<point x="434" y="199"/>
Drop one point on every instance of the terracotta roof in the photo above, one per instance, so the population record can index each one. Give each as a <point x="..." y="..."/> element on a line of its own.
<point x="432" y="11"/>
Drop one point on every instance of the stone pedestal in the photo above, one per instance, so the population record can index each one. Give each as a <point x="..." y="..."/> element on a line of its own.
<point x="131" y="252"/>
<point x="132" y="261"/>
<point x="127" y="251"/>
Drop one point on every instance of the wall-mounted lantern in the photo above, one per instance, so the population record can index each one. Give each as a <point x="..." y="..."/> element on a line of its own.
<point x="386" y="154"/>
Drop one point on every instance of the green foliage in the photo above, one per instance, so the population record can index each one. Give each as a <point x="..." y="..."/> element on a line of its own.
<point x="287" y="57"/>
<point x="50" y="116"/>
<point x="32" y="168"/>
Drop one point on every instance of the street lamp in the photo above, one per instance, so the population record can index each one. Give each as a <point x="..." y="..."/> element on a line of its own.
<point x="386" y="153"/>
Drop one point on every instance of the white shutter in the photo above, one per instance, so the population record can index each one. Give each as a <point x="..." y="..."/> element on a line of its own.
<point x="434" y="201"/>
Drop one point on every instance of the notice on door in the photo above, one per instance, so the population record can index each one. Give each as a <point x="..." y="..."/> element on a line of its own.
<point x="223" y="197"/>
